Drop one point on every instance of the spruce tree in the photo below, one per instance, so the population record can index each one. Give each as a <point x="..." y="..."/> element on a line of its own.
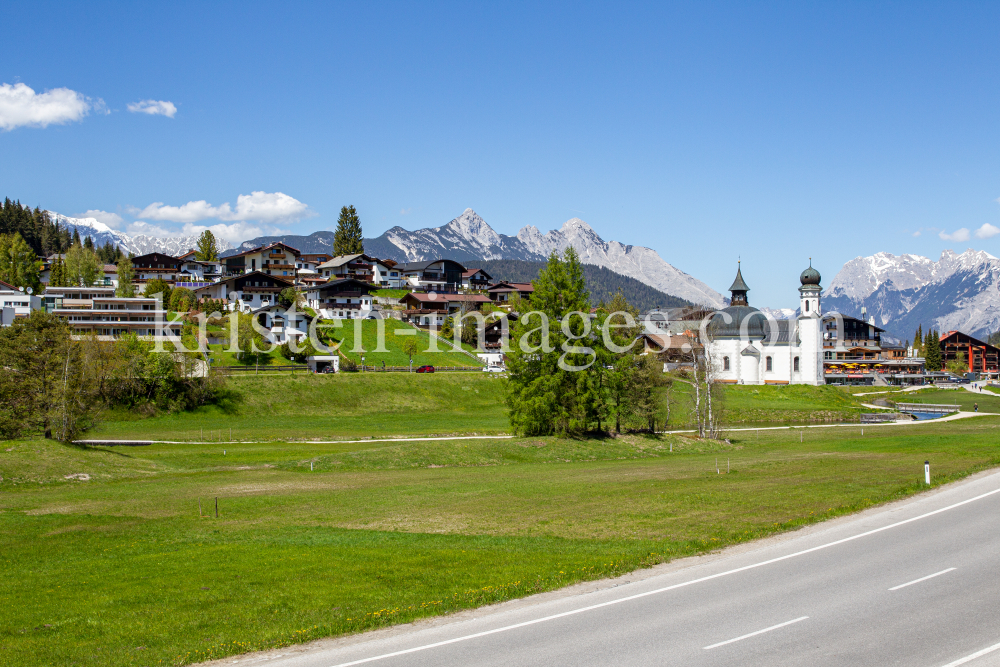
<point x="76" y="236"/>
<point x="208" y="249"/>
<point x="348" y="239"/>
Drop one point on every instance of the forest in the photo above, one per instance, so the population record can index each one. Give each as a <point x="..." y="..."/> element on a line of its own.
<point x="602" y="283"/>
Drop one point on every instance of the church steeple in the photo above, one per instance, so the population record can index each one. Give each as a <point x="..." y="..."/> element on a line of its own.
<point x="739" y="289"/>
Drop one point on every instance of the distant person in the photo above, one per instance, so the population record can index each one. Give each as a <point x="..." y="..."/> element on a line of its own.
<point x="975" y="407"/>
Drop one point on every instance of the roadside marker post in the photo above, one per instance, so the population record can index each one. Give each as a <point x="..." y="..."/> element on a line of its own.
<point x="927" y="472"/>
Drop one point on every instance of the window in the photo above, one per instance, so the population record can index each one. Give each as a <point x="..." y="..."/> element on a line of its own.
<point x="769" y="366"/>
<point x="795" y="364"/>
<point x="725" y="363"/>
<point x="807" y="306"/>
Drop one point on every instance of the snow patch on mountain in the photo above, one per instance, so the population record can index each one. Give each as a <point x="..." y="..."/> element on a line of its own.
<point x="468" y="238"/>
<point x="140" y="244"/>
<point x="959" y="291"/>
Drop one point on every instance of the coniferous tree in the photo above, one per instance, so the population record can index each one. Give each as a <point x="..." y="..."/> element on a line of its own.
<point x="126" y="277"/>
<point x="88" y="243"/>
<point x="918" y="338"/>
<point x="208" y="248"/>
<point x="19" y="266"/>
<point x="76" y="237"/>
<point x="347" y="239"/>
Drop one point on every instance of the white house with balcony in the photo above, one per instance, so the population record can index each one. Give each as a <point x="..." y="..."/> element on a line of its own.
<point x="246" y="293"/>
<point x="97" y="311"/>
<point x="283" y="324"/>
<point x="440" y="275"/>
<point x="346" y="298"/>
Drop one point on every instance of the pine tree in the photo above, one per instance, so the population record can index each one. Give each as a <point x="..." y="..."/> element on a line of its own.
<point x="88" y="243"/>
<point x="126" y="276"/>
<point x="918" y="338"/>
<point x="76" y="236"/>
<point x="208" y="249"/>
<point x="348" y="239"/>
<point x="932" y="351"/>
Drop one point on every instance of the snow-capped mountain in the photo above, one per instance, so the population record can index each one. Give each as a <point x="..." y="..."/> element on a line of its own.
<point x="959" y="291"/>
<point x="468" y="237"/>
<point x="139" y="244"/>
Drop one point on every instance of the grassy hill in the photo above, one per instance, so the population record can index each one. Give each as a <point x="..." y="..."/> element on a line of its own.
<point x="601" y="282"/>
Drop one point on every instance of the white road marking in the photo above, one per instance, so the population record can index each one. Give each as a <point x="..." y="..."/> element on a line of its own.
<point x="917" y="581"/>
<point x="977" y="654"/>
<point x="754" y="634"/>
<point x="637" y="596"/>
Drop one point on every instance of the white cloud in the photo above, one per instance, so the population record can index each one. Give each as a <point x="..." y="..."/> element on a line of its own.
<point x="21" y="106"/>
<point x="959" y="235"/>
<point x="405" y="211"/>
<point x="259" y="206"/>
<point x="154" y="108"/>
<point x="112" y="220"/>
<point x="987" y="231"/>
<point x="916" y="233"/>
<point x="235" y="233"/>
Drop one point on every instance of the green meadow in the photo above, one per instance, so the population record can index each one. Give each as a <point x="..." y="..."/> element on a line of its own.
<point x="115" y="555"/>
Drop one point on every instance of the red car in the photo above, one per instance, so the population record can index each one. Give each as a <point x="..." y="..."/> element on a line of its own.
<point x="425" y="369"/>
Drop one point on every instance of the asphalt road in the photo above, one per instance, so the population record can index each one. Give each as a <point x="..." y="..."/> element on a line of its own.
<point x="917" y="583"/>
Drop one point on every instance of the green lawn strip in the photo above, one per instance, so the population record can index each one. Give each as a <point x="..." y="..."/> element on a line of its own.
<point x="330" y="407"/>
<point x="750" y="404"/>
<point x="394" y="355"/>
<point x="988" y="402"/>
<point x="111" y="566"/>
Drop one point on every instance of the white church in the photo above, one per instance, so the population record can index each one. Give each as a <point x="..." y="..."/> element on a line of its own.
<point x="749" y="347"/>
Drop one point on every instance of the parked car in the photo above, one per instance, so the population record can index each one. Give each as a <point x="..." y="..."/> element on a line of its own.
<point x="425" y="369"/>
<point x="328" y="369"/>
<point x="493" y="368"/>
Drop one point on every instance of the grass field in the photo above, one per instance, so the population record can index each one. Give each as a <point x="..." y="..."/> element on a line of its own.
<point x="988" y="402"/>
<point x="749" y="404"/>
<point x="122" y="570"/>
<point x="339" y="406"/>
<point x="394" y="356"/>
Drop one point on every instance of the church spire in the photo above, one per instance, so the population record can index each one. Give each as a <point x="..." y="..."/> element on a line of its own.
<point x="738" y="289"/>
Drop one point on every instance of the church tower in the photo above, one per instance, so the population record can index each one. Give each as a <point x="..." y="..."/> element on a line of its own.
<point x="810" y="323"/>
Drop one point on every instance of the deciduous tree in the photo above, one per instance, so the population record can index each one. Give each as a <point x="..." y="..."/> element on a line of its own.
<point x="19" y="266"/>
<point x="83" y="267"/>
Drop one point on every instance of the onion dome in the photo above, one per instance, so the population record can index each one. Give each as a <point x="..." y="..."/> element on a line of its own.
<point x="810" y="276"/>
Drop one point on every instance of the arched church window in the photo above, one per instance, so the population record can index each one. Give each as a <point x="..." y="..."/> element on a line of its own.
<point x="725" y="363"/>
<point x="795" y="364"/>
<point x="807" y="306"/>
<point x="769" y="366"/>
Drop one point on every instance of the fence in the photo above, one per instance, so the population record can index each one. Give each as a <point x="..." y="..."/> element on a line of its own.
<point x="927" y="407"/>
<point x="877" y="417"/>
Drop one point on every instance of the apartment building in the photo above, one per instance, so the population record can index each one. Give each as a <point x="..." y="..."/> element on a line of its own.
<point x="274" y="259"/>
<point x="97" y="311"/>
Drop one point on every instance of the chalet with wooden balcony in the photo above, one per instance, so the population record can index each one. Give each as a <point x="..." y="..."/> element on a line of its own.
<point x="501" y="292"/>
<point x="275" y="259"/>
<point x="431" y="308"/>
<point x="156" y="265"/>
<point x="282" y="324"/>
<point x="361" y="267"/>
<point x="476" y="279"/>
<point x="343" y="298"/>
<point x="981" y="356"/>
<point x="854" y="353"/>
<point x="247" y="292"/>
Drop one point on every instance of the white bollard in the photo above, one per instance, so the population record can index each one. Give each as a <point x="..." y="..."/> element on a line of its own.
<point x="927" y="472"/>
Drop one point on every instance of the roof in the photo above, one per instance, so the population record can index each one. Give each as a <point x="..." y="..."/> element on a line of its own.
<point x="510" y="287"/>
<point x="7" y="286"/>
<point x="418" y="266"/>
<point x="845" y="318"/>
<point x="674" y="342"/>
<point x="262" y="248"/>
<point x="972" y="341"/>
<point x="110" y="268"/>
<point x="739" y="285"/>
<point x="186" y="255"/>
<point x="245" y="275"/>
<point x="344" y="281"/>
<point x="340" y="260"/>
<point x="471" y="272"/>
<point x="740" y="321"/>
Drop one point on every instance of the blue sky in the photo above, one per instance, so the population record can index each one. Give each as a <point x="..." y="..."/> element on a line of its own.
<point x="707" y="131"/>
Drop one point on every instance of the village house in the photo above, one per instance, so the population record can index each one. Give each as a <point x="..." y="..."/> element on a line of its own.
<point x="361" y="267"/>
<point x="97" y="311"/>
<point x="344" y="298"/>
<point x="432" y="308"/>
<point x="501" y="292"/>
<point x="854" y="353"/>
<point x="282" y="324"/>
<point x="440" y="275"/>
<point x="156" y="265"/>
<point x="274" y="259"/>
<point x="246" y="292"/>
<point x="476" y="279"/>
<point x="307" y="268"/>
<point x="981" y="357"/>
<point x="16" y="302"/>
